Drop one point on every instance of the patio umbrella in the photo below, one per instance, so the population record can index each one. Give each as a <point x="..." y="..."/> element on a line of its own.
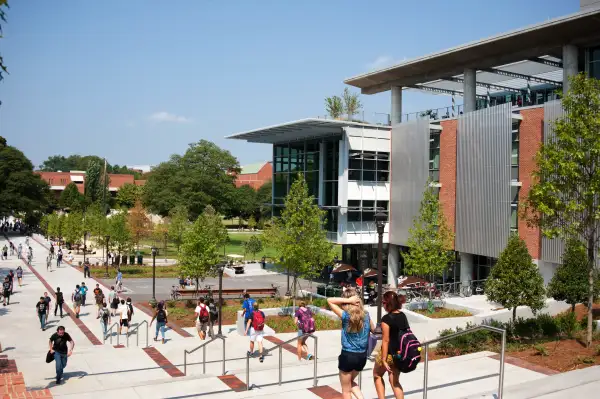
<point x="343" y="268"/>
<point x="370" y="273"/>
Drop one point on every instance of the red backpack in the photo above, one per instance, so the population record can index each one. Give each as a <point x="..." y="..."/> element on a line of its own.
<point x="203" y="314"/>
<point x="258" y="320"/>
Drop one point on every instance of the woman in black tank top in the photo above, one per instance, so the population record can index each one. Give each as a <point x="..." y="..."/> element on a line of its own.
<point x="391" y="325"/>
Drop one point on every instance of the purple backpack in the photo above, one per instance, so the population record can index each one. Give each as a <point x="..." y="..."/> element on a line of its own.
<point x="307" y="323"/>
<point x="409" y="352"/>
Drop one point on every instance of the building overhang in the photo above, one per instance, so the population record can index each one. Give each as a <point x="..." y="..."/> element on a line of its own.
<point x="300" y="130"/>
<point x="524" y="47"/>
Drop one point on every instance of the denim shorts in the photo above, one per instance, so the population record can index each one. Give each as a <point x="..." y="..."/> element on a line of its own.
<point x="352" y="361"/>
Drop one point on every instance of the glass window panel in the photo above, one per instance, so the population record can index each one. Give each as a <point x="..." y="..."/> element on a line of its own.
<point x="514" y="173"/>
<point x="354" y="216"/>
<point x="434" y="159"/>
<point x="594" y="70"/>
<point x="514" y="194"/>
<point x="369" y="164"/>
<point x="312" y="180"/>
<point x="513" y="218"/>
<point x="595" y="54"/>
<point x="382" y="205"/>
<point x="278" y="201"/>
<point x="369" y="155"/>
<point x="355" y="163"/>
<point x="515" y="153"/>
<point x="368" y="175"/>
<point x="368" y="216"/>
<point x="383" y="165"/>
<point x="383" y="176"/>
<point x="281" y="182"/>
<point x="434" y="175"/>
<point x="312" y="161"/>
<point x="353" y="203"/>
<point x="368" y="204"/>
<point x="354" y="175"/>
<point x="434" y="141"/>
<point x="383" y="155"/>
<point x="312" y="146"/>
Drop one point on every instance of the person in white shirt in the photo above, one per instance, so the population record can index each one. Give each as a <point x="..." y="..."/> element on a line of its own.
<point x="123" y="311"/>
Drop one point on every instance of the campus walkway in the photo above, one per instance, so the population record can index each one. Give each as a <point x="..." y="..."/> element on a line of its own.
<point x="98" y="370"/>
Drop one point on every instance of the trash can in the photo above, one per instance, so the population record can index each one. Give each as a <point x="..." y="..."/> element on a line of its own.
<point x="140" y="258"/>
<point x="132" y="260"/>
<point x="124" y="259"/>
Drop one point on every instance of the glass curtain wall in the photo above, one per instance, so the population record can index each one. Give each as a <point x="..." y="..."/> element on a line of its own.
<point x="330" y="182"/>
<point x="369" y="166"/>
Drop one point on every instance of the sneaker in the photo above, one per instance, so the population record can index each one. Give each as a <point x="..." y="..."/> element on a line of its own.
<point x="309" y="356"/>
<point x="261" y="358"/>
<point x="163" y="341"/>
<point x="249" y="353"/>
<point x="58" y="381"/>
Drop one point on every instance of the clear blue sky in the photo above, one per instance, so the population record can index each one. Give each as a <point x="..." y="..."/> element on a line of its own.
<point x="137" y="80"/>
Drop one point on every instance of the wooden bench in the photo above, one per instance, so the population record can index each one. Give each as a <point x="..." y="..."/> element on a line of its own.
<point x="230" y="292"/>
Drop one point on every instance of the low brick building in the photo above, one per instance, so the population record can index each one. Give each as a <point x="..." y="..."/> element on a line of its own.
<point x="59" y="180"/>
<point x="255" y="175"/>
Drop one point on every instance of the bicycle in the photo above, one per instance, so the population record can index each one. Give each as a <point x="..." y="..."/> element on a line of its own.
<point x="209" y="293"/>
<point x="175" y="295"/>
<point x="466" y="291"/>
<point x="276" y="294"/>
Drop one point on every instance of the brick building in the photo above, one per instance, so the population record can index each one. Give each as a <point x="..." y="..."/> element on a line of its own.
<point x="59" y="180"/>
<point x="255" y="175"/>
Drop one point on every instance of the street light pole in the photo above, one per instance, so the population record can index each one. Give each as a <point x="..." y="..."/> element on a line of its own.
<point x="84" y="244"/>
<point x="221" y="269"/>
<point x="380" y="219"/>
<point x="106" y="275"/>
<point x="153" y="274"/>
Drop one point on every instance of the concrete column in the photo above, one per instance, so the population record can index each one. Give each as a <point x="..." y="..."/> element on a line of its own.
<point x="393" y="268"/>
<point x="570" y="64"/>
<point x="470" y="90"/>
<point x="466" y="268"/>
<point x="396" y="105"/>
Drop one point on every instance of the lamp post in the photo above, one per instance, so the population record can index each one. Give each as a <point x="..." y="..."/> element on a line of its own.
<point x="221" y="268"/>
<point x="85" y="233"/>
<point x="107" y="237"/>
<point x="380" y="219"/>
<point x="153" y="274"/>
<point x="166" y="235"/>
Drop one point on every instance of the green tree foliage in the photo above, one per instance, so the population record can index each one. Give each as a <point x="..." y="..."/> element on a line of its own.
<point x="96" y="187"/>
<point x="570" y="281"/>
<point x="251" y="222"/>
<point x="334" y="107"/>
<point x="564" y="200"/>
<point x="430" y="239"/>
<point x="243" y="202"/>
<point x="203" y="176"/>
<point x="73" y="227"/>
<point x="57" y="163"/>
<point x="299" y="236"/>
<point x="515" y="280"/>
<point x="55" y="225"/>
<point x="118" y="229"/>
<point x="263" y="202"/>
<point x="201" y="249"/>
<point x="21" y="190"/>
<point x="139" y="224"/>
<point x="352" y="104"/>
<point x="71" y="198"/>
<point x="253" y="246"/>
<point x="127" y="195"/>
<point x="178" y="224"/>
<point x="95" y="224"/>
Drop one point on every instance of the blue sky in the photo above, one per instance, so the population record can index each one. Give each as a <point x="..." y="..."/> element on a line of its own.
<point x="138" y="80"/>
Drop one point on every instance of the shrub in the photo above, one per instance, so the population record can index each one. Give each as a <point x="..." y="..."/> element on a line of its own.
<point x="567" y="324"/>
<point x="171" y="304"/>
<point x="260" y="300"/>
<point x="320" y="302"/>
<point x="190" y="304"/>
<point x="586" y="360"/>
<point x="540" y="350"/>
<point x="468" y="343"/>
<point x="597" y="350"/>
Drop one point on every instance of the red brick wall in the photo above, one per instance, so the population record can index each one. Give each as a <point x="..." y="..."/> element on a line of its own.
<point x="448" y="170"/>
<point x="256" y="180"/>
<point x="530" y="138"/>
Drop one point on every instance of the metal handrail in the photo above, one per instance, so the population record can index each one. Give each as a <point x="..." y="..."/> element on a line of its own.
<point x="109" y="331"/>
<point x="425" y="346"/>
<point x="137" y="336"/>
<point x="203" y="346"/>
<point x="280" y="346"/>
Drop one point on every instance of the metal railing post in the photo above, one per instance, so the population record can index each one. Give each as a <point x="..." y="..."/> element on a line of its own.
<point x="315" y="360"/>
<point x="185" y="362"/>
<point x="223" y="357"/>
<point x="425" y="370"/>
<point x="360" y="379"/>
<point x="280" y="363"/>
<point x="204" y="359"/>
<point x="502" y="350"/>
<point x="247" y="372"/>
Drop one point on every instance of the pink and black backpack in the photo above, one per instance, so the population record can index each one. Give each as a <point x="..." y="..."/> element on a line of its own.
<point x="409" y="353"/>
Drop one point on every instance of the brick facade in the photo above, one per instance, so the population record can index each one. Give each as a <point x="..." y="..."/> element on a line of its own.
<point x="448" y="170"/>
<point x="530" y="138"/>
<point x="58" y="180"/>
<point x="256" y="180"/>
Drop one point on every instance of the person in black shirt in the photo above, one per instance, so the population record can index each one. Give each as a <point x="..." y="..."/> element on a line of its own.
<point x="6" y="291"/>
<point x="42" y="311"/>
<point x="59" y="302"/>
<point x="11" y="277"/>
<point x="391" y="325"/>
<point x="59" y="347"/>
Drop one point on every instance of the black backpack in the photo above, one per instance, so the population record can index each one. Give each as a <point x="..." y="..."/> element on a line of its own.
<point x="214" y="312"/>
<point x="409" y="352"/>
<point x="105" y="314"/>
<point x="161" y="316"/>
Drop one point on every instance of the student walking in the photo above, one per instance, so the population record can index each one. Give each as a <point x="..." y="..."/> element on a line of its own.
<point x="59" y="302"/>
<point x="86" y="269"/>
<point x="42" y="311"/>
<point x="99" y="297"/>
<point x="84" y="291"/>
<point x="5" y="252"/>
<point x="76" y="298"/>
<point x="356" y="325"/>
<point x="161" y="315"/>
<point x="47" y="299"/>
<point x="11" y="278"/>
<point x="123" y="315"/>
<point x="256" y="326"/>
<point x="129" y="310"/>
<point x="20" y="250"/>
<point x="391" y="325"/>
<point x="59" y="258"/>
<point x="20" y="275"/>
<point x="202" y="318"/>
<point x="105" y="320"/>
<point x="113" y="299"/>
<point x="247" y="308"/>
<point x="306" y="325"/>
<point x="61" y="346"/>
<point x="213" y="317"/>
<point x="6" y="291"/>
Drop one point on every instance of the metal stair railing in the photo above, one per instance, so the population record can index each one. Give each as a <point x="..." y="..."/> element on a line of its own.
<point x="280" y="346"/>
<point x="425" y="346"/>
<point x="203" y="346"/>
<point x="137" y="335"/>
<point x="109" y="331"/>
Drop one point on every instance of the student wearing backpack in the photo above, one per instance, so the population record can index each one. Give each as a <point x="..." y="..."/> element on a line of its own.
<point x="113" y="299"/>
<point x="392" y="324"/>
<point x="247" y="308"/>
<point x="256" y="326"/>
<point x="306" y="325"/>
<point x="76" y="298"/>
<point x="161" y="316"/>
<point x="214" y="317"/>
<point x="42" y="312"/>
<point x="202" y="318"/>
<point x="59" y="302"/>
<point x="104" y="319"/>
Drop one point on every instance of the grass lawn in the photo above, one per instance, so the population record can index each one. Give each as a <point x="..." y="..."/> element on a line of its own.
<point x="443" y="313"/>
<point x="136" y="271"/>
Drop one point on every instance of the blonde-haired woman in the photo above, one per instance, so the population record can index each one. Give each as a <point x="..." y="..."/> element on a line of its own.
<point x="356" y="325"/>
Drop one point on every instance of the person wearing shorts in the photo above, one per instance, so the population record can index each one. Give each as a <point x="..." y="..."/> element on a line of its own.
<point x="6" y="291"/>
<point x="201" y="325"/>
<point x="256" y="332"/>
<point x="76" y="298"/>
<point x="123" y="311"/>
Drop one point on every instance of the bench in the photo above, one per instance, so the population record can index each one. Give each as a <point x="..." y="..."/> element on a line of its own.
<point x="230" y="292"/>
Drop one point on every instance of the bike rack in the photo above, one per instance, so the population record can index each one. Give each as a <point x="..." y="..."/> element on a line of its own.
<point x="109" y="331"/>
<point x="425" y="346"/>
<point x="203" y="346"/>
<point x="280" y="346"/>
<point x="137" y="335"/>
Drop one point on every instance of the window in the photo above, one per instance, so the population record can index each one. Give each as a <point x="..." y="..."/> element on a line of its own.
<point x="434" y="156"/>
<point x="369" y="166"/>
<point x="292" y="158"/>
<point x="514" y="209"/>
<point x="594" y="62"/>
<point x="364" y="211"/>
<point x="514" y="156"/>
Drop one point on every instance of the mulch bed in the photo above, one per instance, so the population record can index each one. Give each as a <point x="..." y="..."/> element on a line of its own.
<point x="564" y="355"/>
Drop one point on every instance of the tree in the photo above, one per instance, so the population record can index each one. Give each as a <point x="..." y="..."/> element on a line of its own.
<point x="334" y="107"/>
<point x="96" y="186"/>
<point x="55" y="225"/>
<point x="570" y="281"/>
<point x="118" y="229"/>
<point x="200" y="252"/>
<point x="263" y="201"/>
<point x="57" y="163"/>
<point x="95" y="224"/>
<point x="71" y="198"/>
<point x="299" y="236"/>
<point x="21" y="190"/>
<point x="3" y="3"/>
<point x="73" y="227"/>
<point x="251" y="222"/>
<point x="430" y="239"/>
<point x="564" y="199"/>
<point x="243" y="203"/>
<point x="352" y="104"/>
<point x="253" y="246"/>
<point x="178" y="224"/>
<point x="127" y="195"/>
<point x="139" y="224"/>
<point x="515" y="280"/>
<point x="203" y="176"/>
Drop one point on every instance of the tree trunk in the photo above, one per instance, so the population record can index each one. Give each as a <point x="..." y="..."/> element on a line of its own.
<point x="294" y="296"/>
<point x="514" y="314"/>
<point x="573" y="308"/>
<point x="591" y="263"/>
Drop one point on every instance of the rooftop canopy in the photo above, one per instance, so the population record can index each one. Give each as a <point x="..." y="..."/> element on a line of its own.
<point x="531" y="52"/>
<point x="300" y="130"/>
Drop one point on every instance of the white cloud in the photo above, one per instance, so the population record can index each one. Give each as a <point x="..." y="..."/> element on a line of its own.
<point x="383" y="61"/>
<point x="164" y="116"/>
